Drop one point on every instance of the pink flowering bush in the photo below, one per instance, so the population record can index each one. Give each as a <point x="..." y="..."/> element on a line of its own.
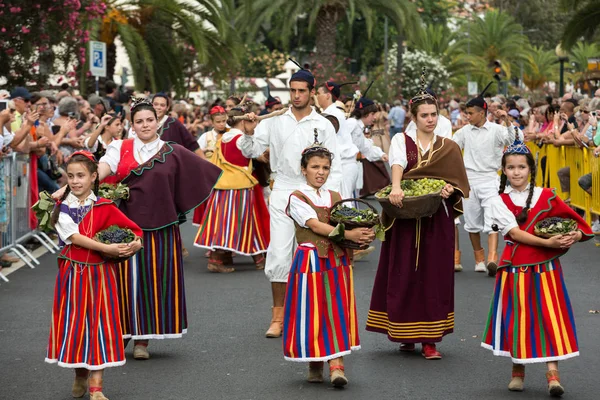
<point x="29" y="32"/>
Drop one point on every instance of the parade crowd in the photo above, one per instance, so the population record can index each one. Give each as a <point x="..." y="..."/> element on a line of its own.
<point x="260" y="182"/>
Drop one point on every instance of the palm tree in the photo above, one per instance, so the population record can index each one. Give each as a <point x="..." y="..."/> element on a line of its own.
<point x="578" y="57"/>
<point x="160" y="35"/>
<point x="323" y="17"/>
<point x="540" y="68"/>
<point x="583" y="24"/>
<point x="496" y="36"/>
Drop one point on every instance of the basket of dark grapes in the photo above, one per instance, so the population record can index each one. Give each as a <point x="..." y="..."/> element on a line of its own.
<point x="115" y="235"/>
<point x="422" y="198"/>
<point x="555" y="226"/>
<point x="352" y="217"/>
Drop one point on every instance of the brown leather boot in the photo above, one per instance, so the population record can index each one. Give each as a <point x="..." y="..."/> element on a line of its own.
<point x="315" y="372"/>
<point x="80" y="385"/>
<point x="517" y="381"/>
<point x="276" y="327"/>
<point x="96" y="389"/>
<point x="492" y="264"/>
<point x="554" y="387"/>
<point x="337" y="377"/>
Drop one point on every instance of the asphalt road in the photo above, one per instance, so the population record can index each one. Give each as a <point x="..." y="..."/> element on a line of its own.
<point x="226" y="356"/>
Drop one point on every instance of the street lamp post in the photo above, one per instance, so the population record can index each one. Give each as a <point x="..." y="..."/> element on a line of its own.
<point x="563" y="57"/>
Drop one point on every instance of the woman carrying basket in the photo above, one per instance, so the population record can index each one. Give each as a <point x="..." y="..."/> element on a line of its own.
<point x="320" y="322"/>
<point x="413" y="294"/>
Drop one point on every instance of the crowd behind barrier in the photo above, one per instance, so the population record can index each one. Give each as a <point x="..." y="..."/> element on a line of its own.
<point x="581" y="161"/>
<point x="16" y="230"/>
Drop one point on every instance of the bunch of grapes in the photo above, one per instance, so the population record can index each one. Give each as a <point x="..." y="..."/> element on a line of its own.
<point x="346" y="212"/>
<point x="548" y="222"/>
<point x="114" y="234"/>
<point x="421" y="187"/>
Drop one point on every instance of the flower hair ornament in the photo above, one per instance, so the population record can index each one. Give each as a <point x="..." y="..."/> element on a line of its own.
<point x="317" y="147"/>
<point x="422" y="94"/>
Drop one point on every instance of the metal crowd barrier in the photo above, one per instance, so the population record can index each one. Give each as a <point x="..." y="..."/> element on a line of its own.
<point x="16" y="230"/>
<point x="581" y="162"/>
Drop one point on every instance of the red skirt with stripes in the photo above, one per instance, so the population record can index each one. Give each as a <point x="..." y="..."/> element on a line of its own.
<point x="320" y="321"/>
<point x="235" y="220"/>
<point x="531" y="319"/>
<point x="151" y="288"/>
<point x="85" y="331"/>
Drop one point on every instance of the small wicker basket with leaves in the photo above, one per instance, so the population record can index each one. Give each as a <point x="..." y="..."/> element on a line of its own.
<point x="554" y="226"/>
<point x="115" y="235"/>
<point x="348" y="218"/>
<point x="422" y="198"/>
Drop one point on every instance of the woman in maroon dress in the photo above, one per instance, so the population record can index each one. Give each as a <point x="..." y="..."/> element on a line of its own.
<point x="413" y="294"/>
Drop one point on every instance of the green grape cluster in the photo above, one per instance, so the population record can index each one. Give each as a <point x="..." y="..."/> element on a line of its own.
<point x="421" y="187"/>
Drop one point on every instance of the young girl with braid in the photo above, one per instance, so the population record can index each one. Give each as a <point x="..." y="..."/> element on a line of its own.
<point x="85" y="333"/>
<point x="320" y="322"/>
<point x="530" y="319"/>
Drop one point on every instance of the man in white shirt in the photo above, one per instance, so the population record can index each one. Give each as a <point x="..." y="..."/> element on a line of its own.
<point x="483" y="143"/>
<point x="287" y="136"/>
<point x="348" y="145"/>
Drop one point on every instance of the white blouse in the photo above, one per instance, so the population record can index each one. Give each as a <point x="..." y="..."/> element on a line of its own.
<point x="66" y="226"/>
<point x="94" y="147"/>
<point x="502" y="216"/>
<point x="398" y="149"/>
<point x="301" y="211"/>
<point x="142" y="152"/>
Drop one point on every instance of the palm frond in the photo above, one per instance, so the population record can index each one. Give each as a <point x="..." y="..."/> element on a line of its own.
<point x="584" y="23"/>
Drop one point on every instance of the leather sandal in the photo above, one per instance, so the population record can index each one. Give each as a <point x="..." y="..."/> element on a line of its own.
<point x="80" y="386"/>
<point x="407" y="347"/>
<point x="259" y="262"/>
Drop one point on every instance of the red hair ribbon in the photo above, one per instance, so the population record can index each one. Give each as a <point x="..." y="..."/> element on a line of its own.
<point x="86" y="154"/>
<point x="217" y="110"/>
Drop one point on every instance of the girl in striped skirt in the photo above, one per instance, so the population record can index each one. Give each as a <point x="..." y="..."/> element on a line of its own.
<point x="236" y="218"/>
<point x="85" y="333"/>
<point x="319" y="321"/>
<point x="531" y="319"/>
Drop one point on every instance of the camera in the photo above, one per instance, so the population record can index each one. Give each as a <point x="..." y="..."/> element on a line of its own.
<point x="595" y="113"/>
<point x="72" y="115"/>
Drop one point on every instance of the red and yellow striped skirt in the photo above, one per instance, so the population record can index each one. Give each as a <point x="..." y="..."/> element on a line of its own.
<point x="531" y="319"/>
<point x="235" y="221"/>
<point x="86" y="330"/>
<point x="319" y="321"/>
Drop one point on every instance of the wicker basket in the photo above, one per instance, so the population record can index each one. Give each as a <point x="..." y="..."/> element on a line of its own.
<point x="413" y="207"/>
<point x="349" y="225"/>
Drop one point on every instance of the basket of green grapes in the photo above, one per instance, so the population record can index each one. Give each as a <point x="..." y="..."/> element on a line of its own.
<point x="422" y="198"/>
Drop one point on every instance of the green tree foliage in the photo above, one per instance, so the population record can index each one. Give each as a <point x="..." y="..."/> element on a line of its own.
<point x="323" y="16"/>
<point x="583" y="22"/>
<point x="160" y="35"/>
<point x="496" y="36"/>
<point x="543" y="21"/>
<point x="540" y="68"/>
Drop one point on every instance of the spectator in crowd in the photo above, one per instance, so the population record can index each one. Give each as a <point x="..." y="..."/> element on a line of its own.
<point x="72" y="140"/>
<point x="47" y="172"/>
<point x="98" y="105"/>
<point x="396" y="116"/>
